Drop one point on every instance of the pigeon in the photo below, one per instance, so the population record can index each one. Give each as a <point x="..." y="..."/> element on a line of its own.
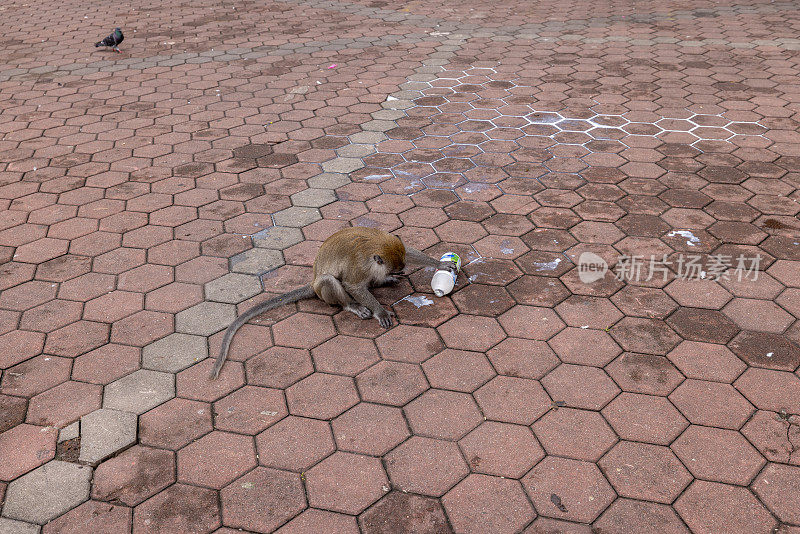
<point x="112" y="40"/>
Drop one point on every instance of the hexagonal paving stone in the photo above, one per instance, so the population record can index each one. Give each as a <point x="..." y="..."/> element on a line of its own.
<point x="345" y="355"/>
<point x="205" y="318"/>
<point x="584" y="346"/>
<point x="774" y="484"/>
<point x="412" y="344"/>
<point x="443" y="414"/>
<point x="279" y="367"/>
<point x="513" y="400"/>
<point x="104" y="432"/>
<point x="233" y="288"/>
<point x="578" y="486"/>
<point x="644" y="373"/>
<point x="12" y="526"/>
<point x="427" y="466"/>
<point x="196" y="511"/>
<point x="481" y="503"/>
<point x="346" y="483"/>
<point x="579" y="386"/>
<point x="392" y="383"/>
<point x="47" y="492"/>
<point x="711" y="404"/>
<point x="706" y="361"/>
<point x="295" y="443"/>
<point x="134" y="475"/>
<point x="174" y="353"/>
<point x="262" y="500"/>
<point x="714" y="507"/>
<point x="646" y="418"/>
<point x="91" y="516"/>
<point x="471" y="332"/>
<point x="458" y="370"/>
<point x="762" y="349"/>
<point x="531" y="322"/>
<point x="256" y="261"/>
<point x="249" y="410"/>
<point x="718" y="455"/>
<point x="501" y="449"/>
<point x="578" y="434"/>
<point x="317" y="329"/>
<point x="278" y="237"/>
<point x="175" y="423"/>
<point x="370" y="429"/>
<point x="139" y="391"/>
<point x="402" y="512"/>
<point x="322" y="396"/>
<point x="628" y="515"/>
<point x="771" y="390"/>
<point x="313" y="520"/>
<point x="644" y="471"/>
<point x="216" y="459"/>
<point x="24" y="448"/>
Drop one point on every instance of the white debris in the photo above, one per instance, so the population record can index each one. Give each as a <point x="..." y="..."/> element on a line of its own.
<point x="547" y="266"/>
<point x="419" y="301"/>
<point x="692" y="239"/>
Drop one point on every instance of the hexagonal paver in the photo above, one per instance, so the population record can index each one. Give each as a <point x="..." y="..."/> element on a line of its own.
<point x="139" y="391"/>
<point x="392" y="383"/>
<point x="501" y="449"/>
<point x="711" y="404"/>
<point x="714" y="507"/>
<point x="216" y="459"/>
<point x="175" y="423"/>
<point x="47" y="492"/>
<point x="644" y="373"/>
<point x="442" y="414"/>
<point x="774" y="484"/>
<point x="249" y="410"/>
<point x="427" y="466"/>
<point x="458" y="370"/>
<point x="646" y="418"/>
<point x="771" y="390"/>
<point x="404" y="513"/>
<point x="531" y="322"/>
<point x="513" y="400"/>
<point x="345" y="355"/>
<point x="134" y="475"/>
<point x="346" y="483"/>
<point x="322" y="396"/>
<point x="295" y="443"/>
<point x="706" y="361"/>
<point x="174" y="353"/>
<point x="262" y="500"/>
<point x="568" y="489"/>
<point x="626" y="515"/>
<point x="205" y="318"/>
<point x="578" y="434"/>
<point x="584" y="346"/>
<point x="471" y="332"/>
<point x="104" y="432"/>
<point x="317" y="328"/>
<point x="197" y="511"/>
<point x="718" y="455"/>
<point x="93" y="516"/>
<point x="481" y="503"/>
<point x="233" y="288"/>
<point x="370" y="429"/>
<point x="580" y="386"/>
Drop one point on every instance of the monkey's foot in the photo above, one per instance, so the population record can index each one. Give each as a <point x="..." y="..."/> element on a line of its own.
<point x="362" y="312"/>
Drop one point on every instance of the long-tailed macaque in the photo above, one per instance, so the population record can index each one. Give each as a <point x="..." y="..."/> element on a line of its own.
<point x="348" y="263"/>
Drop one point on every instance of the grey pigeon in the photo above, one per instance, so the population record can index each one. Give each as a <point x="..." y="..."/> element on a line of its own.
<point x="112" y="40"/>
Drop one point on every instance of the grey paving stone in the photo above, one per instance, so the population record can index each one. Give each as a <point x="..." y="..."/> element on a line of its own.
<point x="342" y="165"/>
<point x="174" y="353"/>
<point x="47" y="492"/>
<point x="205" y="318"/>
<point x="328" y="180"/>
<point x="70" y="431"/>
<point x="233" y="288"/>
<point x="360" y="151"/>
<point x="139" y="391"/>
<point x="257" y="261"/>
<point x="278" y="237"/>
<point x="377" y="126"/>
<point x="297" y="216"/>
<point x="104" y="432"/>
<point x="313" y="197"/>
<point x="11" y="526"/>
<point x="387" y="114"/>
<point x="367" y="138"/>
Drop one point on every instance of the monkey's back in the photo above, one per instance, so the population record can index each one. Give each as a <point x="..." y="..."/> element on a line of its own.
<point x="346" y="255"/>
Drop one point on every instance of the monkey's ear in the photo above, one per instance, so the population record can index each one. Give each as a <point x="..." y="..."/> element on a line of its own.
<point x="378" y="259"/>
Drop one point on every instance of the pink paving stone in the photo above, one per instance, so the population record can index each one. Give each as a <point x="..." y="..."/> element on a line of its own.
<point x="718" y="455"/>
<point x="20" y="345"/>
<point x="76" y="338"/>
<point x="579" y="486"/>
<point x="706" y="361"/>
<point x="524" y="358"/>
<point x="584" y="346"/>
<point x="775" y="483"/>
<point x="471" y="332"/>
<point x="91" y="516"/>
<point x="249" y="410"/>
<point x="142" y="328"/>
<point x="279" y="367"/>
<point x="412" y="344"/>
<point x="391" y="382"/>
<point x="345" y="355"/>
<point x="321" y="396"/>
<point x="425" y="466"/>
<point x="644" y="373"/>
<point x="513" y="400"/>
<point x="481" y="503"/>
<point x="317" y="328"/>
<point x="34" y="376"/>
<point x="771" y="390"/>
<point x="458" y="370"/>
<point x="24" y="448"/>
<point x="646" y="418"/>
<point x="295" y="443"/>
<point x="106" y="364"/>
<point x="346" y="483"/>
<point x="531" y="322"/>
<point x="179" y="508"/>
<point x="262" y="500"/>
<point x="12" y="411"/>
<point x="442" y="414"/>
<point x="709" y="507"/>
<point x="370" y="429"/>
<point x="175" y="423"/>
<point x="628" y="515"/>
<point x="403" y="512"/>
<point x="578" y="434"/>
<point x="775" y="435"/>
<point x="134" y="475"/>
<point x="312" y="521"/>
<point x="579" y="386"/>
<point x="644" y="471"/>
<point x="501" y="449"/>
<point x="64" y="404"/>
<point x="194" y="382"/>
<point x="216" y="459"/>
<point x="542" y="525"/>
<point x="711" y="404"/>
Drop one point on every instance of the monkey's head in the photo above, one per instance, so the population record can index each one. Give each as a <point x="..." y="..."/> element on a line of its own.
<point x="392" y="256"/>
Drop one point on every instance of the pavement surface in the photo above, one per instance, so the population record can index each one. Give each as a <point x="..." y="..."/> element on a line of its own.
<point x="621" y="180"/>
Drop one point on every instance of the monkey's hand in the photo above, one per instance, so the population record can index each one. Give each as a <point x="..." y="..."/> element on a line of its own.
<point x="390" y="280"/>
<point x="385" y="318"/>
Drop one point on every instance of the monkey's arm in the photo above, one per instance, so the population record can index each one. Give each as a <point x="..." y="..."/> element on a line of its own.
<point x="361" y="294"/>
<point x="305" y="292"/>
<point x="423" y="259"/>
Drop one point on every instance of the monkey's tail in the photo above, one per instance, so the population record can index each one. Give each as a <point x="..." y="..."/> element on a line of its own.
<point x="305" y="292"/>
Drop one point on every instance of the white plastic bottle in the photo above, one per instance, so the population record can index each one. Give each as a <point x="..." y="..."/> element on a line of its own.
<point x="444" y="280"/>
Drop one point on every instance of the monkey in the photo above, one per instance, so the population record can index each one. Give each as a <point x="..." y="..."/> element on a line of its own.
<point x="348" y="263"/>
